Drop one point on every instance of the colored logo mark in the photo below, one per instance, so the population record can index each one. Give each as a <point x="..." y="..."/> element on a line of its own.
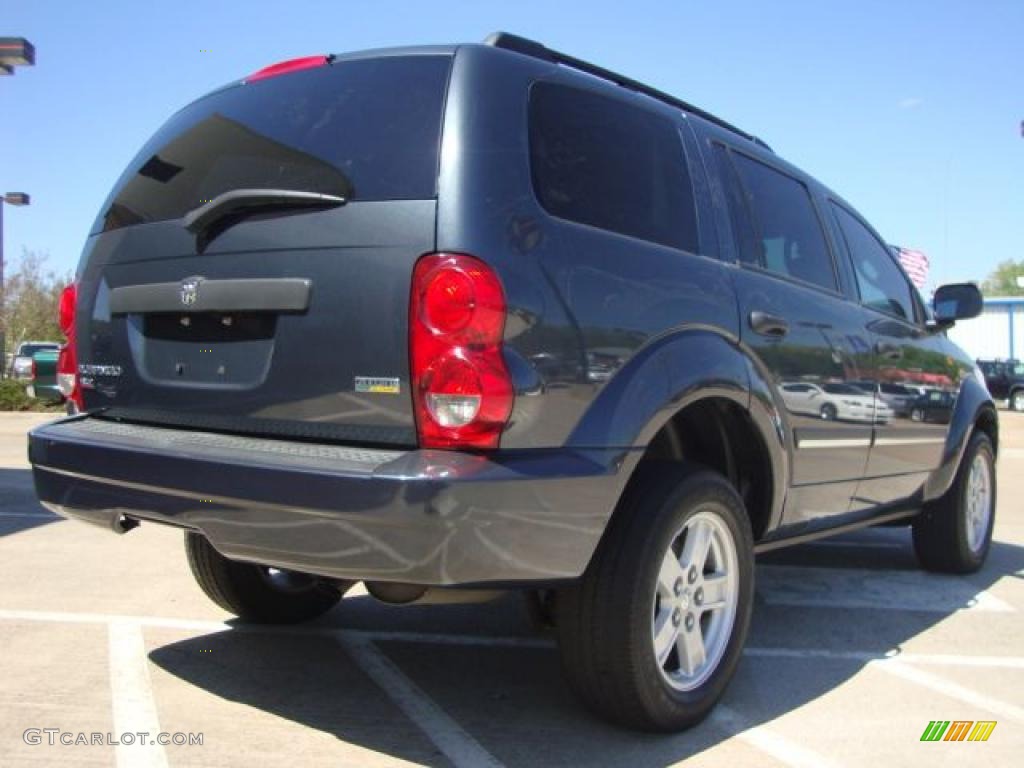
<point x="958" y="730"/>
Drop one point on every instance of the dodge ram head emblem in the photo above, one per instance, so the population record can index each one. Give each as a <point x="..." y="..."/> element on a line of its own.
<point x="190" y="290"/>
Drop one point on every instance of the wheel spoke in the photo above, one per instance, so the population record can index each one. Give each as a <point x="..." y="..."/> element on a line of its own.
<point x="691" y="650"/>
<point x="698" y="542"/>
<point x="665" y="634"/>
<point x="716" y="591"/>
<point x="671" y="572"/>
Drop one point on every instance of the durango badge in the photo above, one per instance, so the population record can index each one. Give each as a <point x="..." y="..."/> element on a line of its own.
<point x="378" y="385"/>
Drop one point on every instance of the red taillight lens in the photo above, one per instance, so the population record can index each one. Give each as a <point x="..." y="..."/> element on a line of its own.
<point x="461" y="387"/>
<point x="67" y="359"/>
<point x="66" y="314"/>
<point x="291" y="65"/>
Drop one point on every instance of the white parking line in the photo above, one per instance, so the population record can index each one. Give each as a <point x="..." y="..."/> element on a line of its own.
<point x="457" y="745"/>
<point x="767" y="740"/>
<point x="133" y="707"/>
<point x="807" y="587"/>
<point x="66" y="617"/>
<point x="954" y="690"/>
<point x="932" y="659"/>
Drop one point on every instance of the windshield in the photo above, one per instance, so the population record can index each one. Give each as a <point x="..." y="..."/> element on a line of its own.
<point x="841" y="389"/>
<point x="27" y="350"/>
<point x="367" y="129"/>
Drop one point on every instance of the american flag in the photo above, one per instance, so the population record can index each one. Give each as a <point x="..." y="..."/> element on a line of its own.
<point x="914" y="263"/>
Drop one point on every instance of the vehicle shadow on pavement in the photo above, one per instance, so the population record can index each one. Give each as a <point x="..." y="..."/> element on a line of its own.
<point x="19" y="508"/>
<point x="512" y="698"/>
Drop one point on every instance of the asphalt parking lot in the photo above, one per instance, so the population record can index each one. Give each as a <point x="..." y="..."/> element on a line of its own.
<point x="852" y="652"/>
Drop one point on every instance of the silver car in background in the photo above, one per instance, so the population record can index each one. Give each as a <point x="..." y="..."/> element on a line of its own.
<point x="834" y="401"/>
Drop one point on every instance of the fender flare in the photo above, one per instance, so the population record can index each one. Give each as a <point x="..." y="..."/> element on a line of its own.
<point x="972" y="403"/>
<point x="675" y="370"/>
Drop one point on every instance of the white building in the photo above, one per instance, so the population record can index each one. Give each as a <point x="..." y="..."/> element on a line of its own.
<point x="997" y="333"/>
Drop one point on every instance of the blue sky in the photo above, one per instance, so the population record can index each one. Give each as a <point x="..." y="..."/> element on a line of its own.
<point x="910" y="110"/>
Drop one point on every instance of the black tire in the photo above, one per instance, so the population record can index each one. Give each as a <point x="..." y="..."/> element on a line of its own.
<point x="604" y="624"/>
<point x="941" y="536"/>
<point x="828" y="412"/>
<point x="256" y="593"/>
<point x="1017" y="400"/>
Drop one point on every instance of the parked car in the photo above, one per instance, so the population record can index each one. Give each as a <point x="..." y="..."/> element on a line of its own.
<point x="43" y="378"/>
<point x="438" y="218"/>
<point x="833" y="401"/>
<point x="21" y="364"/>
<point x="898" y="397"/>
<point x="1005" y="380"/>
<point x="934" y="407"/>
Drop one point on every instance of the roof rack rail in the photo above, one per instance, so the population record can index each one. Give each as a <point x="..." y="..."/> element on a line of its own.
<point x="537" y="50"/>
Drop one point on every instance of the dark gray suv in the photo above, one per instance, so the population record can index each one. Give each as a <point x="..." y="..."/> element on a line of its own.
<point x="460" y="319"/>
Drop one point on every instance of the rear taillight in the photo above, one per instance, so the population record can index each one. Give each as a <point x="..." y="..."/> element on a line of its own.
<point x="67" y="359"/>
<point x="462" y="390"/>
<point x="33" y="374"/>
<point x="291" y="65"/>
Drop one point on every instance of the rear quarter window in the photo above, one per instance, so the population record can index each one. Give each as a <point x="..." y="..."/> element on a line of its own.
<point x="366" y="129"/>
<point x="602" y="162"/>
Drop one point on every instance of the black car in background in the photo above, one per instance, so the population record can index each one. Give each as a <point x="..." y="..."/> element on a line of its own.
<point x="935" y="407"/>
<point x="1005" y="380"/>
<point x="560" y="305"/>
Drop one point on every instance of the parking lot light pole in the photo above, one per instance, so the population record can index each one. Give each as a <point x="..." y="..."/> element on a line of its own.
<point x="11" y="198"/>
<point x="14" y="52"/>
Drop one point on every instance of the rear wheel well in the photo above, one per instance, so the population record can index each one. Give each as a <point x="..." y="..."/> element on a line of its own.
<point x="989" y="424"/>
<point x="719" y="434"/>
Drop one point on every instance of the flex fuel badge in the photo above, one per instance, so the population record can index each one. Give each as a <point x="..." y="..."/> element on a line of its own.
<point x="377" y="385"/>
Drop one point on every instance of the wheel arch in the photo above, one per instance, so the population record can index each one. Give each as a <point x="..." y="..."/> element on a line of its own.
<point x="695" y="396"/>
<point x="974" y="410"/>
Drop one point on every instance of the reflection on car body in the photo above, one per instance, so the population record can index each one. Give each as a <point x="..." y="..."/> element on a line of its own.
<point x="935" y="406"/>
<point x="833" y="401"/>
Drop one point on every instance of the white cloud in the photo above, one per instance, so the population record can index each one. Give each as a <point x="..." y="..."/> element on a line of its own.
<point x="911" y="102"/>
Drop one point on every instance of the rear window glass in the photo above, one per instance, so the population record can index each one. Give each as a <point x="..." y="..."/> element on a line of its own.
<point x="792" y="241"/>
<point x="367" y="129"/>
<point x="599" y="161"/>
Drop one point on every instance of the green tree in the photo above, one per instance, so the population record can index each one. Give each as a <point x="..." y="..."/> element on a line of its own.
<point x="1003" y="280"/>
<point x="30" y="300"/>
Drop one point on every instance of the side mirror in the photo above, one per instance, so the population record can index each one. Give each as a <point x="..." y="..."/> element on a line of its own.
<point x="956" y="301"/>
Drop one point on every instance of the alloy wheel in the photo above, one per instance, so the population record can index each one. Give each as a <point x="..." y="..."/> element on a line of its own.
<point x="695" y="601"/>
<point x="978" y="502"/>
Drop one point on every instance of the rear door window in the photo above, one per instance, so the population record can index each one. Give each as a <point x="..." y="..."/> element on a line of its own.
<point x="366" y="129"/>
<point x="792" y="242"/>
<point x="602" y="162"/>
